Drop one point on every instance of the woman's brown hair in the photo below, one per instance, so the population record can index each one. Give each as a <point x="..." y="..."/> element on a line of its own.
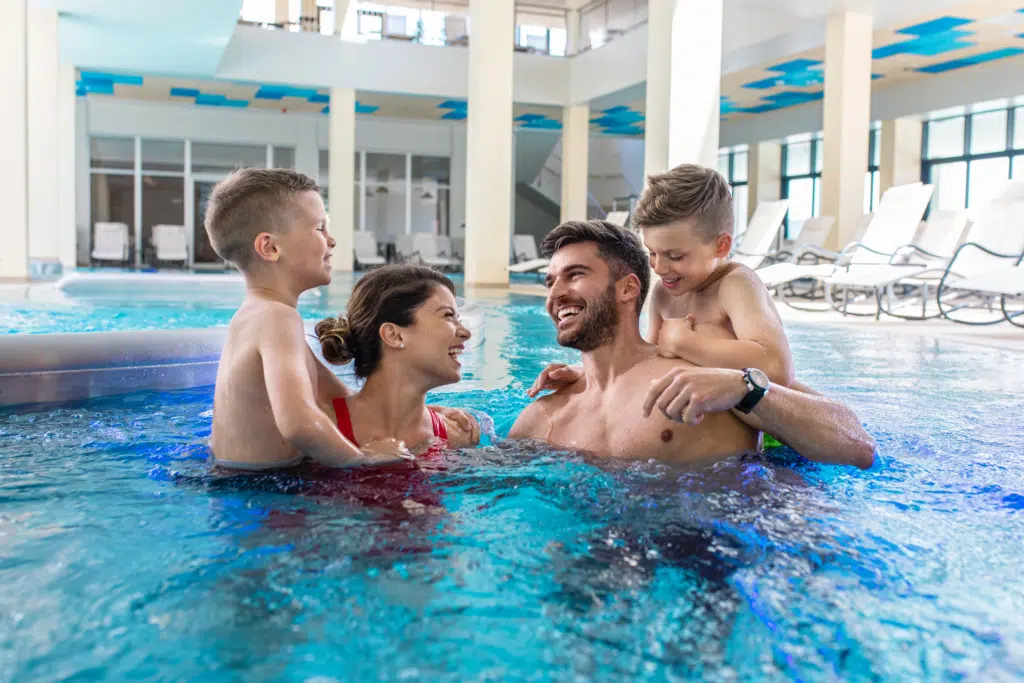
<point x="386" y="295"/>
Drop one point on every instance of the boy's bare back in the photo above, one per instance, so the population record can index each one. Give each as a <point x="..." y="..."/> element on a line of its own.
<point x="244" y="429"/>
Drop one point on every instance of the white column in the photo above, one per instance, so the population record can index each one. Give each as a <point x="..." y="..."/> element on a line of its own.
<point x="764" y="174"/>
<point x="281" y="12"/>
<point x="309" y="17"/>
<point x="575" y="161"/>
<point x="572" y="31"/>
<point x="900" y="162"/>
<point x="43" y="77"/>
<point x="342" y="174"/>
<point x="847" y="116"/>
<point x="489" y="143"/>
<point x="67" y="143"/>
<point x="13" y="143"/>
<point x="684" y="72"/>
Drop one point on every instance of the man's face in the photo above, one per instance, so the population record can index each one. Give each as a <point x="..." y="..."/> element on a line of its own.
<point x="582" y="297"/>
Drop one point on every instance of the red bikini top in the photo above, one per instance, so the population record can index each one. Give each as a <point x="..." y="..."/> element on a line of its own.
<point x="345" y="422"/>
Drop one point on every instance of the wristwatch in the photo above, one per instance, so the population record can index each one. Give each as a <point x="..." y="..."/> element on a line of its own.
<point x="757" y="385"/>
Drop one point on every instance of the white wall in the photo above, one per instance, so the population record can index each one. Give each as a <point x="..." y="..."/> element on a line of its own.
<point x="610" y="68"/>
<point x="306" y="133"/>
<point x="379" y="65"/>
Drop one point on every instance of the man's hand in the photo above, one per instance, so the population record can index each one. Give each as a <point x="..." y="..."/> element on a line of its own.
<point x="687" y="394"/>
<point x="674" y="336"/>
<point x="554" y="377"/>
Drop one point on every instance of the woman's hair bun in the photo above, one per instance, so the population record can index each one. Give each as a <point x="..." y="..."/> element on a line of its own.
<point x="336" y="341"/>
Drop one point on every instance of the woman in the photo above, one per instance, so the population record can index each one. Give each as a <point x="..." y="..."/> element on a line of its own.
<point x="404" y="336"/>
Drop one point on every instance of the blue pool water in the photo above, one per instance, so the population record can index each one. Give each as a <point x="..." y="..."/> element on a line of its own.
<point x="124" y="557"/>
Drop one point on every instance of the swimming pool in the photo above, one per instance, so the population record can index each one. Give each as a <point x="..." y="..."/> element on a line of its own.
<point x="124" y="557"/>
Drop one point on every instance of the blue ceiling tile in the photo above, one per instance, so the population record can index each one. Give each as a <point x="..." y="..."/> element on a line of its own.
<point x="319" y="99"/>
<point x="96" y="87"/>
<point x="104" y="77"/>
<point x="935" y="26"/>
<point x="529" y="117"/>
<point x="543" y="124"/>
<point x="943" y="67"/>
<point x="615" y="110"/>
<point x="184" y="92"/>
<point x="932" y="38"/>
<point x="798" y="73"/>
<point x="270" y="92"/>
<point x="457" y="115"/>
<point x="365" y="108"/>
<point x="454" y="104"/>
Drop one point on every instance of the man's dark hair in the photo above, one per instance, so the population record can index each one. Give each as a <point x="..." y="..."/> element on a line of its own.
<point x="620" y="248"/>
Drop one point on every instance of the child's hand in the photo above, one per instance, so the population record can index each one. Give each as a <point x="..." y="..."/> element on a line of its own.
<point x="674" y="335"/>
<point x="555" y="377"/>
<point x="383" y="451"/>
<point x="460" y="420"/>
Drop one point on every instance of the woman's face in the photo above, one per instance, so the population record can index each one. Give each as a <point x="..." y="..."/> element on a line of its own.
<point x="436" y="338"/>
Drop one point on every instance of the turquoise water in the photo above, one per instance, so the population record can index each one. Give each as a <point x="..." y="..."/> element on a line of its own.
<point x="125" y="557"/>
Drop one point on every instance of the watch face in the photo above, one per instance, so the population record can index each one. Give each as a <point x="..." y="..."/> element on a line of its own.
<point x="759" y="379"/>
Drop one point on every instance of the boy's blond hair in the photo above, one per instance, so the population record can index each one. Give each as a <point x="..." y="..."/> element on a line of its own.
<point x="248" y="202"/>
<point x="687" y="191"/>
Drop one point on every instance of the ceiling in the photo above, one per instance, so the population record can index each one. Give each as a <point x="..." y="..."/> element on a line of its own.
<point x="954" y="37"/>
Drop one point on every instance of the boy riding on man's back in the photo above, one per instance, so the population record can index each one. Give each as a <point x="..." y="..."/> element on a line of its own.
<point x="705" y="309"/>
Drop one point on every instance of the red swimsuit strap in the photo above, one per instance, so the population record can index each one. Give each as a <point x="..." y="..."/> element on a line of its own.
<point x="344" y="420"/>
<point x="440" y="430"/>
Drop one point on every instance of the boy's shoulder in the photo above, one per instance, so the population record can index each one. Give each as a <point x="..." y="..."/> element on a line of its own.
<point x="265" y="314"/>
<point x="741" y="278"/>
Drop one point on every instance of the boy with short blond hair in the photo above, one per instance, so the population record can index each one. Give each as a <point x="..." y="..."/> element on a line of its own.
<point x="704" y="308"/>
<point x="272" y="399"/>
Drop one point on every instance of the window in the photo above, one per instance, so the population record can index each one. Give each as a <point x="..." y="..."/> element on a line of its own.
<point x="732" y="164"/>
<point x="223" y="159"/>
<point x="969" y="155"/>
<point x="112" y="153"/>
<point x="800" y="184"/>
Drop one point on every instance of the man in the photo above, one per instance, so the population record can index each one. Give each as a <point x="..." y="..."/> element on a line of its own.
<point x="597" y="283"/>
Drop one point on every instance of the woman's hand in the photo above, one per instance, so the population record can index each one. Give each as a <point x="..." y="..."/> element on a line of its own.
<point x="554" y="377"/>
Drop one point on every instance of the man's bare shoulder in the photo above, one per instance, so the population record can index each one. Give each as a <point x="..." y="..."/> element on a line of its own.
<point x="535" y="420"/>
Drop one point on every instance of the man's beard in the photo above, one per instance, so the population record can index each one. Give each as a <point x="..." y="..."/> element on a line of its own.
<point x="600" y="321"/>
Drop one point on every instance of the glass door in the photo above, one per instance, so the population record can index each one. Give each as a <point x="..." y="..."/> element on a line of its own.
<point x="203" y="255"/>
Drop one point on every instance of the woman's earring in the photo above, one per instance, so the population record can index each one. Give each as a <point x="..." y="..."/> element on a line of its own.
<point x="401" y="345"/>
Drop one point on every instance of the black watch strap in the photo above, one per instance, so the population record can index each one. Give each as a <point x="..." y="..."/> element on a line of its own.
<point x="754" y="395"/>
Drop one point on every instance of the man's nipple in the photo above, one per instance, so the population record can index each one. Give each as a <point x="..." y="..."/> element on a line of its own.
<point x="666" y="436"/>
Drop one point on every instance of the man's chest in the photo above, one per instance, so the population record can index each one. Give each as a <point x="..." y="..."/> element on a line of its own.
<point x="614" y="425"/>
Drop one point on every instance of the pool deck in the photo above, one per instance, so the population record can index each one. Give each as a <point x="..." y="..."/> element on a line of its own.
<point x="1002" y="336"/>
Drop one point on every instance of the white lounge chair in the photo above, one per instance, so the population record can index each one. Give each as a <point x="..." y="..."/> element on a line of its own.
<point x="429" y="252"/>
<point x="170" y="244"/>
<point x="110" y="243"/>
<point x="405" y="248"/>
<point x="365" y="250"/>
<point x="913" y="267"/>
<point x="618" y="218"/>
<point x="762" y="232"/>
<point x="525" y="256"/>
<point x="892" y="226"/>
<point x="979" y="272"/>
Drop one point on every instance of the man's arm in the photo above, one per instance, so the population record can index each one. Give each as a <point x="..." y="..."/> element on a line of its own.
<point x="297" y="415"/>
<point x="532" y="423"/>
<point x="816" y="427"/>
<point x="760" y="339"/>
